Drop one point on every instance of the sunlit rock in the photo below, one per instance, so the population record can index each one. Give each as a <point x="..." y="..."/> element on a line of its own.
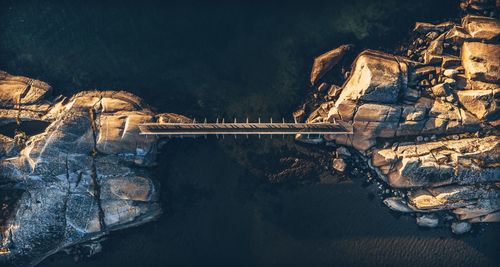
<point x="465" y="161"/>
<point x="481" y="61"/>
<point x="483" y="28"/>
<point x="81" y="176"/>
<point x="325" y="62"/>
<point x="481" y="103"/>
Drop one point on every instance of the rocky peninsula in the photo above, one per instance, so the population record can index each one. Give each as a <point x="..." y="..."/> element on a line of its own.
<point x="425" y="120"/>
<point x="82" y="172"/>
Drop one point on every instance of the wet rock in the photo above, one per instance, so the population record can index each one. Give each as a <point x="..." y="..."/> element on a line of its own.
<point x="323" y="87"/>
<point x="481" y="61"/>
<point x="342" y="152"/>
<point x="325" y="62"/>
<point x="299" y="114"/>
<point x="339" y="164"/>
<point x="460" y="228"/>
<point x="428" y="220"/>
<point x="398" y="204"/>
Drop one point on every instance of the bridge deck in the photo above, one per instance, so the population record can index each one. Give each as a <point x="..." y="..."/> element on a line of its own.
<point x="244" y="128"/>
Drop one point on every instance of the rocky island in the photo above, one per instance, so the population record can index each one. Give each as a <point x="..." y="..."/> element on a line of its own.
<point x="425" y="119"/>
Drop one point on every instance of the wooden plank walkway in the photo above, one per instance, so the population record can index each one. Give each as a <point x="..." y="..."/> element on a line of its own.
<point x="279" y="128"/>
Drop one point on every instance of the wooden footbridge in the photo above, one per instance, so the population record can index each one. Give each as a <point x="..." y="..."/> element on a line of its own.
<point x="179" y="129"/>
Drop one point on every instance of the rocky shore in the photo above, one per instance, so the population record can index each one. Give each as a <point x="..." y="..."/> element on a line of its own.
<point x="80" y="173"/>
<point x="426" y="120"/>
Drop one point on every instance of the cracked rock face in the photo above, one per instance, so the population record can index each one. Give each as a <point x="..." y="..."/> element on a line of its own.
<point x="427" y="120"/>
<point x="81" y="177"/>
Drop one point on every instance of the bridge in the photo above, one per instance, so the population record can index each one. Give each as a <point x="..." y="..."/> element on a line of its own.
<point x="177" y="129"/>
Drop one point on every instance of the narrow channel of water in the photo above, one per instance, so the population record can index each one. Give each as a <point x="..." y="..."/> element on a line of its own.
<point x="235" y="60"/>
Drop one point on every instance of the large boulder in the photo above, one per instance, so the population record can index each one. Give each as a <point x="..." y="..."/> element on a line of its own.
<point x="325" y="62"/>
<point x="482" y="28"/>
<point x="481" y="103"/>
<point x="376" y="77"/>
<point x="481" y="61"/>
<point x="466" y="161"/>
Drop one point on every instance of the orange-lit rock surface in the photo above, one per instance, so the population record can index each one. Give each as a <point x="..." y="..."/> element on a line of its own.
<point x="426" y="120"/>
<point x="81" y="174"/>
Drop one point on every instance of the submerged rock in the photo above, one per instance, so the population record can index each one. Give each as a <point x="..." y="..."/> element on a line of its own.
<point x="81" y="177"/>
<point x="339" y="164"/>
<point x="460" y="228"/>
<point x="428" y="220"/>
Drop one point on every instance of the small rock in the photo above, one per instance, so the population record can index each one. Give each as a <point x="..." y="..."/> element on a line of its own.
<point x="450" y="99"/>
<point x="395" y="146"/>
<point x="459" y="228"/>
<point x="442" y="89"/>
<point x="455" y="137"/>
<point x="346" y="74"/>
<point x="424" y="83"/>
<point x="322" y="87"/>
<point x="432" y="35"/>
<point x="339" y="164"/>
<point x="342" y="152"/>
<point x="299" y="114"/>
<point x="450" y="61"/>
<point x="428" y="220"/>
<point x="334" y="90"/>
<point x="420" y="138"/>
<point x="450" y="73"/>
<point x="450" y="81"/>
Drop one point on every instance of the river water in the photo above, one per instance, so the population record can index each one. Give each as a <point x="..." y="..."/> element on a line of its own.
<point x="229" y="59"/>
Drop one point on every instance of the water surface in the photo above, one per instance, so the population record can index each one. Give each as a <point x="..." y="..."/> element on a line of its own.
<point x="232" y="59"/>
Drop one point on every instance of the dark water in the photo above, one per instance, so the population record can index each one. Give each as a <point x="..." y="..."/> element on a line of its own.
<point x="232" y="59"/>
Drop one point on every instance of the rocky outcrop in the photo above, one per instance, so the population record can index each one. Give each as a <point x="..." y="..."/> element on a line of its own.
<point x="481" y="61"/>
<point x="427" y="120"/>
<point x="18" y="90"/>
<point x="482" y="103"/>
<point x="82" y="176"/>
<point x="465" y="161"/>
